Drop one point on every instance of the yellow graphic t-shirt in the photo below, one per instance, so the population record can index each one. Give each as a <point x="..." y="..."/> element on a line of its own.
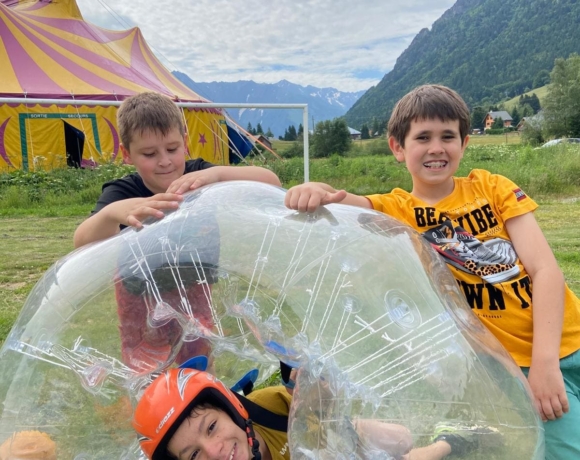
<point x="467" y="228"/>
<point x="277" y="400"/>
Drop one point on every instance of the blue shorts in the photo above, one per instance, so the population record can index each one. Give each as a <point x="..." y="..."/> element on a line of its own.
<point x="563" y="435"/>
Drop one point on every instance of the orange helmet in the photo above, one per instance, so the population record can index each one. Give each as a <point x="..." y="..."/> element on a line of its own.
<point x="170" y="399"/>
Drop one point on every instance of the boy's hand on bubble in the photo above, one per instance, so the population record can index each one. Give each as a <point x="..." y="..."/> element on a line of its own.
<point x="194" y="180"/>
<point x="310" y="196"/>
<point x="140" y="209"/>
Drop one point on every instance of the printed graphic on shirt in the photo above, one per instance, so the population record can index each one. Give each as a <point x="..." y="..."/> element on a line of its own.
<point x="476" y="220"/>
<point x="519" y="193"/>
<point x="493" y="261"/>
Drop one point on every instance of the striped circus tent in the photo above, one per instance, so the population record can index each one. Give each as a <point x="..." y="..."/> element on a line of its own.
<point x="49" y="57"/>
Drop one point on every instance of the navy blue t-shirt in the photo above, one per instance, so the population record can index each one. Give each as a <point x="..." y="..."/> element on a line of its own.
<point x="132" y="186"/>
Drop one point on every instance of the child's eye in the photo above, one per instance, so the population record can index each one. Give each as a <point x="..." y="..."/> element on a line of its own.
<point x="171" y="150"/>
<point x="148" y="154"/>
<point x="211" y="427"/>
<point x="194" y="455"/>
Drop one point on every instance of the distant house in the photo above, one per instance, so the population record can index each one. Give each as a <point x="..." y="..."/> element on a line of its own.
<point x="535" y="121"/>
<point x="492" y="116"/>
<point x="522" y="123"/>
<point x="263" y="140"/>
<point x="354" y="134"/>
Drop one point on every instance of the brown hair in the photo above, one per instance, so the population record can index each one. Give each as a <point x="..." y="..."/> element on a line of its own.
<point x="428" y="102"/>
<point x="148" y="111"/>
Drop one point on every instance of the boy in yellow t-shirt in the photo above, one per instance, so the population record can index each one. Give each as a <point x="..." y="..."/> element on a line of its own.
<point x="484" y="227"/>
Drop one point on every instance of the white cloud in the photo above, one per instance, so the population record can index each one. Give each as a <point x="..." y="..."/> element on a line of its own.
<point x="338" y="43"/>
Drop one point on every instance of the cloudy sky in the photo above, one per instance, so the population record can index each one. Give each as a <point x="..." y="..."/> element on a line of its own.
<point x="343" y="44"/>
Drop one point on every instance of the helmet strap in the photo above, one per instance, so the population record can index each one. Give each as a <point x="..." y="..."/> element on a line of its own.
<point x="252" y="441"/>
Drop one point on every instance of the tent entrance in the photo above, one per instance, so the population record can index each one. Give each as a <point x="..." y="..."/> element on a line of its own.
<point x="44" y="141"/>
<point x="74" y="143"/>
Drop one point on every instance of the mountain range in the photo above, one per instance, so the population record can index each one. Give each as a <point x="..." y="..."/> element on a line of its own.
<point x="487" y="50"/>
<point x="323" y="103"/>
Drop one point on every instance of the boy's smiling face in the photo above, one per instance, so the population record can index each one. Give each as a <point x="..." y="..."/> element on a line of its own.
<point x="209" y="434"/>
<point x="159" y="159"/>
<point x="432" y="152"/>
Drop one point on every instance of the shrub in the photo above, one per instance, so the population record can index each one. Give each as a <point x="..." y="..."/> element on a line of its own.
<point x="22" y="189"/>
<point x="356" y="149"/>
<point x="290" y="171"/>
<point x="15" y="197"/>
<point x="532" y="134"/>
<point x="495" y="131"/>
<point x="296" y="149"/>
<point x="330" y="137"/>
<point x="378" y="147"/>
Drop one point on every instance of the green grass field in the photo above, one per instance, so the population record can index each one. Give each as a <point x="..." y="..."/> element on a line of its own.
<point x="508" y="138"/>
<point x="31" y="245"/>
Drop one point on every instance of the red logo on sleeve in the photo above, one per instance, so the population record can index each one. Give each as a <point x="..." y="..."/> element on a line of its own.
<point x="520" y="195"/>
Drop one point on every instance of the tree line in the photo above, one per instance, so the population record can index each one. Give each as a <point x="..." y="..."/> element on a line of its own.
<point x="258" y="130"/>
<point x="375" y="128"/>
<point x="292" y="134"/>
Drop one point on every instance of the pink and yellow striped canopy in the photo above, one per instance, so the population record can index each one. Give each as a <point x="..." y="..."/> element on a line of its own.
<point x="47" y="50"/>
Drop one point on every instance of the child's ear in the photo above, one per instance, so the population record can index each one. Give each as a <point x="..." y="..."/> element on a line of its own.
<point x="465" y="142"/>
<point x="187" y="153"/>
<point x="126" y="155"/>
<point x="397" y="149"/>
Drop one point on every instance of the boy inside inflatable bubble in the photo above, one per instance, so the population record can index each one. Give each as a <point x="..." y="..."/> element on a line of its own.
<point x="166" y="269"/>
<point x="190" y="414"/>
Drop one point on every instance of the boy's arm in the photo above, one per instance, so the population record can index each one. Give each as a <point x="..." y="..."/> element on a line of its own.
<point x="197" y="179"/>
<point x="375" y="435"/>
<point x="129" y="212"/>
<point x="311" y="195"/>
<point x="545" y="377"/>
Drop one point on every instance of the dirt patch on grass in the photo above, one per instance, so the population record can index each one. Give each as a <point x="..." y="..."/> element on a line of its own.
<point x="11" y="286"/>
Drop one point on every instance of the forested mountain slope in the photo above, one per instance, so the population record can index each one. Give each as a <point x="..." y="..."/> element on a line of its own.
<point x="487" y="50"/>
